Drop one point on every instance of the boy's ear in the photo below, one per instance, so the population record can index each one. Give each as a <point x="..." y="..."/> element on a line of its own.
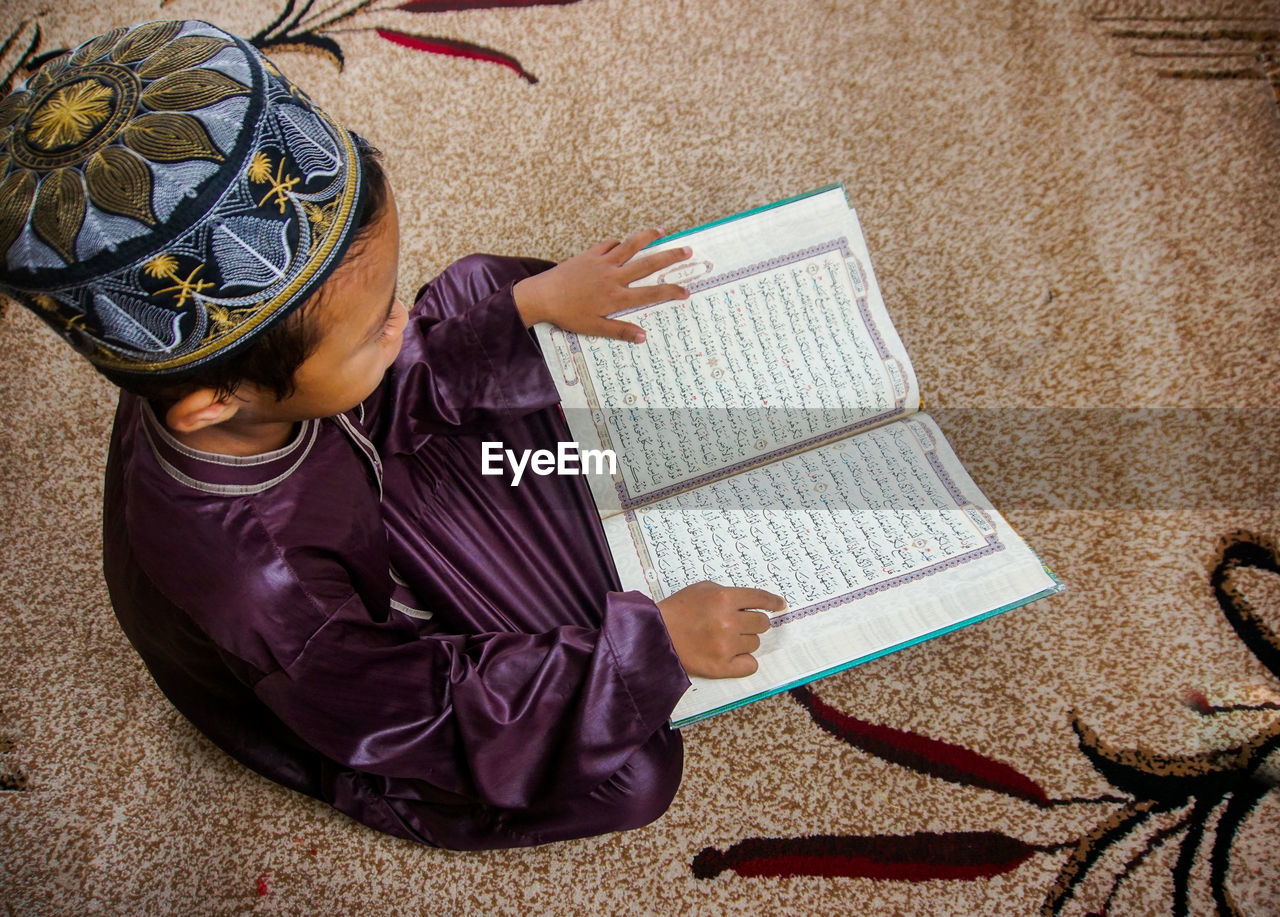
<point x="200" y="409"/>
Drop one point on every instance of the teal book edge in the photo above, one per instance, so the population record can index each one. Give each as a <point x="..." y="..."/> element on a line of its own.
<point x="747" y="213"/>
<point x="697" y="718"/>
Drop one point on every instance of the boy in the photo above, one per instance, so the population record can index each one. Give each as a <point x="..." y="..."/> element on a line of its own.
<point x="297" y="537"/>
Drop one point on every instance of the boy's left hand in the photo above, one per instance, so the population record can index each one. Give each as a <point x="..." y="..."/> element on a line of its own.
<point x="580" y="293"/>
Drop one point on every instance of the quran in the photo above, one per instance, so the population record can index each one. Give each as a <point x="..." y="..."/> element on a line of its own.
<point x="768" y="433"/>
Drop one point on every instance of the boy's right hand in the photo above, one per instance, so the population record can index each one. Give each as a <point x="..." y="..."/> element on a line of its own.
<point x="580" y="294"/>
<point x="714" y="629"/>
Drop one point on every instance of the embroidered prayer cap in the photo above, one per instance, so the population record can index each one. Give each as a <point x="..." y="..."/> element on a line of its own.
<point x="166" y="195"/>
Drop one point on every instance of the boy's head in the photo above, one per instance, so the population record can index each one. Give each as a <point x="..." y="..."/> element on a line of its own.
<point x="308" y="364"/>
<point x="332" y="351"/>
<point x="169" y="202"/>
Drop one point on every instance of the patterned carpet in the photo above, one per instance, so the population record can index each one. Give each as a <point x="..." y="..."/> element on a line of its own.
<point x="1072" y="209"/>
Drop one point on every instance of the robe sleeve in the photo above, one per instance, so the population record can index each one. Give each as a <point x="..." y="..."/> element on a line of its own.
<point x="467" y="359"/>
<point x="508" y="720"/>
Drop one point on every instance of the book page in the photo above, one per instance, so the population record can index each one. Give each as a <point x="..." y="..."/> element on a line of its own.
<point x="784" y="343"/>
<point x="876" y="541"/>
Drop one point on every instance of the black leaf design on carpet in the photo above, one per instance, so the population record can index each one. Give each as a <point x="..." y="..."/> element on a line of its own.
<point x="1208" y="45"/>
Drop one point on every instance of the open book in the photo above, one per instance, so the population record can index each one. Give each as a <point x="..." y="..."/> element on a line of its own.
<point x="768" y="434"/>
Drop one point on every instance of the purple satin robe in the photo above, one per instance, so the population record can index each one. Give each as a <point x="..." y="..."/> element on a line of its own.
<point x="365" y="618"/>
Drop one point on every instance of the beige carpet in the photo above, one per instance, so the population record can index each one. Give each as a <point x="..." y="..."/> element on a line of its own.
<point x="1072" y="208"/>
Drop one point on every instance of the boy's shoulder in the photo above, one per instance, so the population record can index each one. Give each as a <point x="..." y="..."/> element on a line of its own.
<point x="248" y="549"/>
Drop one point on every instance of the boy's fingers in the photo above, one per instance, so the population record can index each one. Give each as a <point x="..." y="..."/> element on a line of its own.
<point x="753" y="622"/>
<point x="741" y="666"/>
<point x="758" y="598"/>
<point x="658" y="292"/>
<point x="633" y="244"/>
<point x="643" y="267"/>
<point x="612" y="328"/>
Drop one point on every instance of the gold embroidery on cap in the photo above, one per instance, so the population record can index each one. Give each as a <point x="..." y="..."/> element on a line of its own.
<point x="59" y="211"/>
<point x="70" y="115"/>
<point x="170" y="137"/>
<point x="98" y="47"/>
<point x="320" y="216"/>
<point x="280" y="186"/>
<point x="180" y="54"/>
<point x="145" y="40"/>
<point x="13" y="106"/>
<point x="259" y="168"/>
<point x="118" y="182"/>
<point x="185" y="288"/>
<point x="162" y="266"/>
<point x="17" y="191"/>
<point x="225" y="320"/>
<point x="191" y="90"/>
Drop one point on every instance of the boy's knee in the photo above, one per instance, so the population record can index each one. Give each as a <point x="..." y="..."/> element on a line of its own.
<point x="645" y="786"/>
<point x="640" y="791"/>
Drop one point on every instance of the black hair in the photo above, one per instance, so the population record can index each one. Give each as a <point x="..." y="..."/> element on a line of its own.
<point x="271" y="361"/>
